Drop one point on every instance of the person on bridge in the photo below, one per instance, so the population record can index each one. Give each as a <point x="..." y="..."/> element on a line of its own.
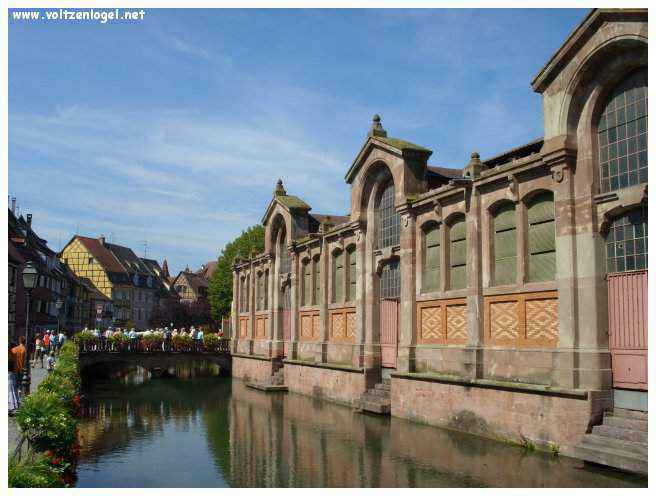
<point x="13" y="389"/>
<point x="38" y="350"/>
<point x="46" y="342"/>
<point x="19" y="352"/>
<point x="54" y="342"/>
<point x="50" y="362"/>
<point x="168" y="337"/>
<point x="134" y="340"/>
<point x="61" y="340"/>
<point x="199" y="339"/>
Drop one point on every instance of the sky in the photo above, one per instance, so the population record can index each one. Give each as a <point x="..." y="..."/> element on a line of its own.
<point x="168" y="134"/>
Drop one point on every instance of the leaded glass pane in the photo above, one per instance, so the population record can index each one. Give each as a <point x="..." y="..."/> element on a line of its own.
<point x="623" y="134"/>
<point x="307" y="283"/>
<point x="317" y="281"/>
<point x="338" y="277"/>
<point x="458" y="254"/>
<point x="388" y="221"/>
<point x="390" y="280"/>
<point x="626" y="242"/>
<point x="541" y="238"/>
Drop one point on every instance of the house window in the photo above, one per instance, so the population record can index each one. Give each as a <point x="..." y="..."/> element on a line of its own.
<point x="307" y="282"/>
<point x="622" y="134"/>
<point x="260" y="291"/>
<point x="541" y="238"/>
<point x="265" y="295"/>
<point x="352" y="274"/>
<point x="387" y="220"/>
<point x="338" y="276"/>
<point x="90" y="260"/>
<point x="458" y="253"/>
<point x="431" y="249"/>
<point x="626" y="242"/>
<point x="390" y="281"/>
<point x="285" y="259"/>
<point x="317" y="280"/>
<point x="504" y="244"/>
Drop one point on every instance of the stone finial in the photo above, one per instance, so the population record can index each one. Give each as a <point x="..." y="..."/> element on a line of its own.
<point x="377" y="127"/>
<point x="280" y="190"/>
<point x="474" y="168"/>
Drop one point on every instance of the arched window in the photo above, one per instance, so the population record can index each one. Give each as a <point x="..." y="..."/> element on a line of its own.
<point x="458" y="253"/>
<point x="541" y="238"/>
<point x="283" y="253"/>
<point x="265" y="295"/>
<point x="431" y="249"/>
<point x="338" y="276"/>
<point x="622" y="134"/>
<point x="259" y="302"/>
<point x="317" y="280"/>
<point x="307" y="282"/>
<point x="504" y="244"/>
<point x="390" y="281"/>
<point x="626" y="242"/>
<point x="352" y="274"/>
<point x="387" y="220"/>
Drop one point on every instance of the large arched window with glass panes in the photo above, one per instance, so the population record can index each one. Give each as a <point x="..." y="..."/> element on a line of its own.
<point x="388" y="221"/>
<point x="626" y="242"/>
<point x="622" y="134"/>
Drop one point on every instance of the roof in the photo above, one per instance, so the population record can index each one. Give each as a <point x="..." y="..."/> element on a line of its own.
<point x="316" y="220"/>
<point x="445" y="171"/>
<point x="208" y="269"/>
<point x="293" y="202"/>
<point x="515" y="153"/>
<point x="195" y="281"/>
<point x="95" y="293"/>
<point x="401" y="144"/>
<point x="14" y="255"/>
<point x="128" y="259"/>
<point x="581" y="34"/>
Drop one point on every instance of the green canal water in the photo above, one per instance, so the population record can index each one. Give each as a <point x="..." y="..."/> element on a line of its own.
<point x="204" y="431"/>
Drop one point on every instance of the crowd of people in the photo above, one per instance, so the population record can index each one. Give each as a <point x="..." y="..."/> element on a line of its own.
<point x="164" y="339"/>
<point x="45" y="346"/>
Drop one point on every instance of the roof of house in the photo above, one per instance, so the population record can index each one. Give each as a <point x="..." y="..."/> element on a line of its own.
<point x="514" y="153"/>
<point x="194" y="280"/>
<point x="207" y="269"/>
<point x="317" y="220"/>
<point x="401" y="144"/>
<point x="445" y="171"/>
<point x="14" y="255"/>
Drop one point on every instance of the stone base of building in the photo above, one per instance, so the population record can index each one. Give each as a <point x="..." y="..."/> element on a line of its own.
<point x="545" y="416"/>
<point x="338" y="383"/>
<point x="252" y="368"/>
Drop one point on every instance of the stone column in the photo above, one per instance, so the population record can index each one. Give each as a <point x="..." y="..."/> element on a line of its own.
<point x="295" y="304"/>
<point x="371" y="360"/>
<point x="234" y="311"/>
<point x="408" y="307"/>
<point x="475" y="309"/>
<point x="251" y="305"/>
<point x="321" y="350"/>
<point x="360" y="307"/>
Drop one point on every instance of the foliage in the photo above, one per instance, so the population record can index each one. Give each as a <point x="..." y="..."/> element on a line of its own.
<point x="47" y="418"/>
<point x="181" y="314"/>
<point x="34" y="473"/>
<point x="182" y="342"/>
<point x="84" y="338"/>
<point x="220" y="286"/>
<point x="212" y="342"/>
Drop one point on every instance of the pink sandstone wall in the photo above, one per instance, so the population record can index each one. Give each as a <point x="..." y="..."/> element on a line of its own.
<point x="334" y="385"/>
<point x="498" y="414"/>
<point x="251" y="370"/>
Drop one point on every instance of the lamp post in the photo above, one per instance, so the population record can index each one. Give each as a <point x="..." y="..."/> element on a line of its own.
<point x="59" y="304"/>
<point x="30" y="279"/>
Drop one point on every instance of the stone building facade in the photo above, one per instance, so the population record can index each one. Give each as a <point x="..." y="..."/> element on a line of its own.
<point x="486" y="293"/>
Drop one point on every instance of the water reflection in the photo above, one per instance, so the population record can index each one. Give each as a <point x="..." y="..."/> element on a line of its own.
<point x="211" y="432"/>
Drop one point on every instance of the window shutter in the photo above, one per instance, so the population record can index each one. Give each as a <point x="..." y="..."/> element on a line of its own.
<point x="541" y="238"/>
<point x="353" y="274"/>
<point x="458" y="255"/>
<point x="338" y="281"/>
<point x="431" y="276"/>
<point x="505" y="245"/>
<point x="307" y="283"/>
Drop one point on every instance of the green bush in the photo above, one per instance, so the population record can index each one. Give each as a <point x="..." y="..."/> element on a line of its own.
<point x="47" y="419"/>
<point x="34" y="473"/>
<point x="211" y="342"/>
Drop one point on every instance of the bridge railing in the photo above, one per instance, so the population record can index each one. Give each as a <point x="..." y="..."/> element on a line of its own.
<point x="88" y="342"/>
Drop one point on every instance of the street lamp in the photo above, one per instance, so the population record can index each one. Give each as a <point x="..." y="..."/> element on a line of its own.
<point x="59" y="304"/>
<point x="30" y="279"/>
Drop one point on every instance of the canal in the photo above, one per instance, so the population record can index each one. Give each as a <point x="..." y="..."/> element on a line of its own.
<point x="205" y="431"/>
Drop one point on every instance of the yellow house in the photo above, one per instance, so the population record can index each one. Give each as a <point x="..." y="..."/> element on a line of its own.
<point x="89" y="258"/>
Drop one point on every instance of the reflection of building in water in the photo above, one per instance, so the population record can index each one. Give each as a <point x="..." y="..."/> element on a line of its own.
<point x="293" y="440"/>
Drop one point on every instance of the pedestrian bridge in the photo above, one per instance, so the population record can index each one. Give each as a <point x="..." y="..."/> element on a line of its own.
<point x="154" y="361"/>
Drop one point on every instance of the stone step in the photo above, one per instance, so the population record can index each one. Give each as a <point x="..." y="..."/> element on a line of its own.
<point x="623" y="412"/>
<point x="381" y="393"/>
<point x="620" y="433"/>
<point x="383" y="386"/>
<point x="610" y="457"/>
<point x="626" y="423"/>
<point x="387" y="381"/>
<point x="375" y="407"/>
<point x="621" y="444"/>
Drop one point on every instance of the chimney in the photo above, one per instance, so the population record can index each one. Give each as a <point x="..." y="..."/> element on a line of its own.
<point x="102" y="239"/>
<point x="29" y="221"/>
<point x="13" y="205"/>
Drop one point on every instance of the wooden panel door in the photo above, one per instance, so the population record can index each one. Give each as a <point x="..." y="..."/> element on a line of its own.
<point x="627" y="328"/>
<point x="389" y="331"/>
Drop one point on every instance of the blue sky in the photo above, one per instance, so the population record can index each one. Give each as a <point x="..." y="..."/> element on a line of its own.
<point x="175" y="129"/>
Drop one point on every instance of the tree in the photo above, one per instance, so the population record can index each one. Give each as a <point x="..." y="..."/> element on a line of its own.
<point x="220" y="287"/>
